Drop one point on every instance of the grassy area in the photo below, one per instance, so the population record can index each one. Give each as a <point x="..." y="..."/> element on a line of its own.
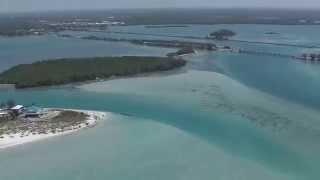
<point x="69" y="117"/>
<point x="63" y="71"/>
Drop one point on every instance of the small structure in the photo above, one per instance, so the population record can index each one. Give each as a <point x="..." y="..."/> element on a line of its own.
<point x="4" y="115"/>
<point x="33" y="112"/>
<point x="18" y="109"/>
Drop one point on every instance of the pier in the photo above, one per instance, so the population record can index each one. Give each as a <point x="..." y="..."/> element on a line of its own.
<point x="261" y="53"/>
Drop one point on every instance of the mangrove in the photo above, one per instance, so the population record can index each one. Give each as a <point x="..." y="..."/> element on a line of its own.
<point x="64" y="71"/>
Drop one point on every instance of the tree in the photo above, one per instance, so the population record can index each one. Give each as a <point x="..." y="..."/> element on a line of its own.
<point x="222" y="34"/>
<point x="11" y="103"/>
<point x="2" y="105"/>
<point x="304" y="56"/>
<point x="313" y="57"/>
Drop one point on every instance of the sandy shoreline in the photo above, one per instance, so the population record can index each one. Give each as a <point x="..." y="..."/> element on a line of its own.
<point x="19" y="139"/>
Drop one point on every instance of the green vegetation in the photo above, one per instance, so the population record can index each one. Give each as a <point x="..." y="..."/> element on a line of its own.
<point x="71" y="117"/>
<point x="166" y="26"/>
<point x="63" y="71"/>
<point x="184" y="45"/>
<point x="183" y="51"/>
<point x="222" y="34"/>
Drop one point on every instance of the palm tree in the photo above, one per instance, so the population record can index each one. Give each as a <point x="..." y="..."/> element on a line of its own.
<point x="2" y="105"/>
<point x="304" y="56"/>
<point x="313" y="57"/>
<point x="11" y="103"/>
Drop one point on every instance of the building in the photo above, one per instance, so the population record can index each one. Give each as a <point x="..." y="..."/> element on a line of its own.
<point x="4" y="115"/>
<point x="33" y="112"/>
<point x="18" y="109"/>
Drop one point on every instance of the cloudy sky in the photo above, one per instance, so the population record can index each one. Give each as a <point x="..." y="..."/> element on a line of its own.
<point x="43" y="5"/>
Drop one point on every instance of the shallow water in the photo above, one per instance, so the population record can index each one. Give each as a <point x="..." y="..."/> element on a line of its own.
<point x="224" y="116"/>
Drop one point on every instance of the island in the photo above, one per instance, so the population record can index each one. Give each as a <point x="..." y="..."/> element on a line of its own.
<point x="21" y="124"/>
<point x="309" y="57"/>
<point x="222" y="34"/>
<point x="271" y="33"/>
<point x="72" y="70"/>
<point x="181" y="52"/>
<point x="166" y="26"/>
<point x="158" y="43"/>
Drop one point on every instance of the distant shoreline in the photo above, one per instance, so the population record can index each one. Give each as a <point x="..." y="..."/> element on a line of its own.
<point x="6" y="86"/>
<point x="28" y="23"/>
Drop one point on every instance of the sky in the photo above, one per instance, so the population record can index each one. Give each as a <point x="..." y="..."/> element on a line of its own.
<point x="44" y="5"/>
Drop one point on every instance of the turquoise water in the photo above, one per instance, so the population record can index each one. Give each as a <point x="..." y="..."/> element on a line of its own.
<point x="224" y="116"/>
<point x="34" y="48"/>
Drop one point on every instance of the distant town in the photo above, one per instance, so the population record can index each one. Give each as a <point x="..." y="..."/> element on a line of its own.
<point x="41" y="27"/>
<point x="49" y="22"/>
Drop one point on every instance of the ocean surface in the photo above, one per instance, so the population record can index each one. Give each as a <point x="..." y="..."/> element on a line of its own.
<point x="224" y="116"/>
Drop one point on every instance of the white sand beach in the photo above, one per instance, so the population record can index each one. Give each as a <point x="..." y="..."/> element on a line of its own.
<point x="10" y="140"/>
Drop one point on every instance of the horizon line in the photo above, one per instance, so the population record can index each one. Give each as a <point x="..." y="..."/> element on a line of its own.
<point x="163" y="8"/>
